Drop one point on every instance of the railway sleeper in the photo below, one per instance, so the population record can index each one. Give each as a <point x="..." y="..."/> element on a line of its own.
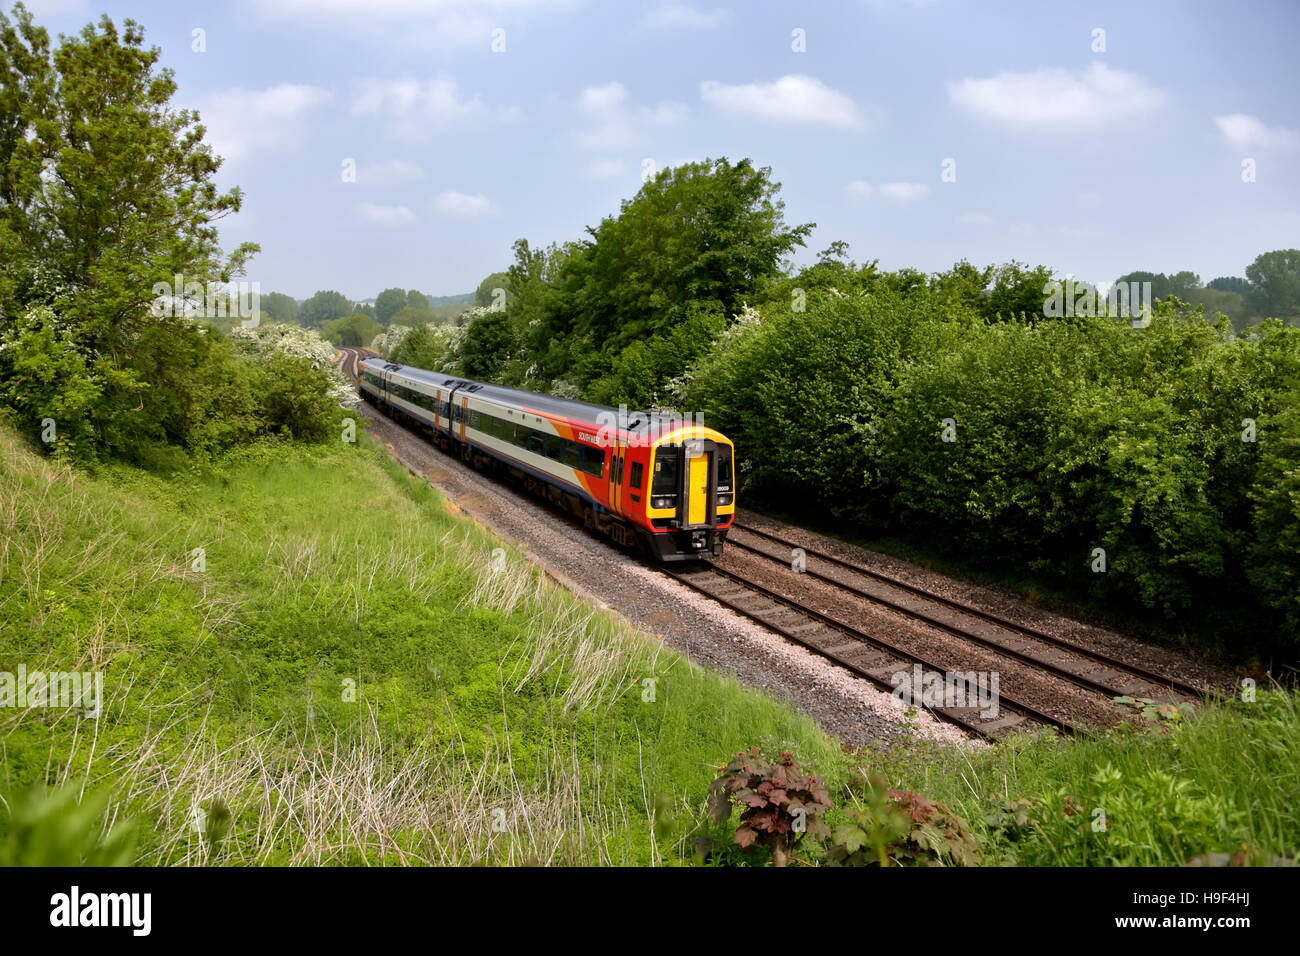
<point x="1004" y="723"/>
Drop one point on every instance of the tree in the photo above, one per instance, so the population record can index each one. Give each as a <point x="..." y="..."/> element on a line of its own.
<point x="1183" y="284"/>
<point x="410" y="315"/>
<point x="323" y="307"/>
<point x="278" y="307"/>
<point x="487" y="343"/>
<point x="105" y="188"/>
<point x="1275" y="280"/>
<point x="966" y="284"/>
<point x="1016" y="290"/>
<point x="485" y="294"/>
<point x="706" y="232"/>
<point x="1230" y="284"/>
<point x="352" y="330"/>
<point x="417" y="300"/>
<point x="388" y="304"/>
<point x="105" y="191"/>
<point x="1160" y="284"/>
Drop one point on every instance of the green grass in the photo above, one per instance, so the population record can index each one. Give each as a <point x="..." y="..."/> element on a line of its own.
<point x="350" y="674"/>
<point x="1226" y="781"/>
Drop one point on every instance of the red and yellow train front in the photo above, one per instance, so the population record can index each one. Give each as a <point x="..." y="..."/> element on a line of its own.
<point x="687" y="494"/>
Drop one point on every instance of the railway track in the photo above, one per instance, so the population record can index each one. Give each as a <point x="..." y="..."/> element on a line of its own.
<point x="1087" y="668"/>
<point x="872" y="657"/>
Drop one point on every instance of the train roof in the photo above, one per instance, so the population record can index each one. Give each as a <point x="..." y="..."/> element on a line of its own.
<point x="638" y="422"/>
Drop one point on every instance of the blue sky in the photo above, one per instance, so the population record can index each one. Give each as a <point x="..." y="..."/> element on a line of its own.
<point x="1095" y="162"/>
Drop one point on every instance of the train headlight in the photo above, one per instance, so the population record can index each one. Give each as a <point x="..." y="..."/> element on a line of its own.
<point x="661" y="502"/>
<point x="724" y="500"/>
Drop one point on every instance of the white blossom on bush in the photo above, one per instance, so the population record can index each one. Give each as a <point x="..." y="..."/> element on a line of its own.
<point x="293" y="340"/>
<point x="389" y="339"/>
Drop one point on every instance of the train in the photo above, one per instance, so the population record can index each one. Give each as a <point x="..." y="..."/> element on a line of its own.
<point x="657" y="482"/>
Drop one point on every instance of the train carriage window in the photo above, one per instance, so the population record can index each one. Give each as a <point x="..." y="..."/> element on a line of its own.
<point x="520" y="436"/>
<point x="636" y="474"/>
<point x="593" y="460"/>
<point x="536" y="442"/>
<point x="724" y="468"/>
<point x="665" y="476"/>
<point x="572" y="454"/>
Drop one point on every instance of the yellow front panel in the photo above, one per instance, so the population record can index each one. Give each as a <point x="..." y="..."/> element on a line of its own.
<point x="697" y="483"/>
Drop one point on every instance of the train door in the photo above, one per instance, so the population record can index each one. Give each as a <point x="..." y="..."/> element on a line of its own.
<point x="464" y="414"/>
<point x="698" y="481"/>
<point x="616" y="450"/>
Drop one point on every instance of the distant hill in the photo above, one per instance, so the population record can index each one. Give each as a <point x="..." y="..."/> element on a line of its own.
<point x="465" y="298"/>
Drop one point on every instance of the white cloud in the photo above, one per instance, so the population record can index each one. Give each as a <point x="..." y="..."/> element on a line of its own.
<point x="385" y="215"/>
<point x="678" y="16"/>
<point x="455" y="203"/>
<point x="241" y="121"/>
<point x="599" y="100"/>
<point x="904" y="192"/>
<point x="440" y="24"/>
<point x="975" y="219"/>
<point x="1056" y="98"/>
<point x="52" y="8"/>
<point x="901" y="192"/>
<point x="618" y="125"/>
<point x="606" y="168"/>
<point x="791" y="99"/>
<point x="393" y="172"/>
<point x="1248" y="132"/>
<point x="416" y="108"/>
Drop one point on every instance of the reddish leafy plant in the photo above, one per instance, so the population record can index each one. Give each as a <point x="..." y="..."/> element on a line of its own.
<point x="902" y="828"/>
<point x="780" y="804"/>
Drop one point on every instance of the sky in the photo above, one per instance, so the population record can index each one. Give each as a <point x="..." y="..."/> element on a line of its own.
<point x="410" y="142"/>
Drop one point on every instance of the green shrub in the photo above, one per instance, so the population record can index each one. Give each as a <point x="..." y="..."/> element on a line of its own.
<point x="902" y="828"/>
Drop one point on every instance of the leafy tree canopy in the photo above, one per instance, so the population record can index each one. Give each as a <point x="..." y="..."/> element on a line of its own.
<point x="1275" y="281"/>
<point x="278" y="307"/>
<point x="701" y="232"/>
<point x="389" y="303"/>
<point x="323" y="307"/>
<point x="352" y="330"/>
<point x="485" y="293"/>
